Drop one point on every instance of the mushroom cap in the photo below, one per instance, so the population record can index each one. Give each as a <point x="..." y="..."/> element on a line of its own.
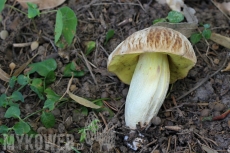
<point x="155" y="39"/>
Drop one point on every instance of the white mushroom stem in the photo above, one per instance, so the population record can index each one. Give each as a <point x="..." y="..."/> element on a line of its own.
<point x="147" y="90"/>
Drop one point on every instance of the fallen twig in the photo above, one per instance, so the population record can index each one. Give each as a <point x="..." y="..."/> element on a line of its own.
<point x="220" y="117"/>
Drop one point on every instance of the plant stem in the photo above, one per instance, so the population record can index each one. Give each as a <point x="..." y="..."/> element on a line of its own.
<point x="16" y="9"/>
<point x="46" y="12"/>
<point x="21" y="87"/>
<point x="33" y="113"/>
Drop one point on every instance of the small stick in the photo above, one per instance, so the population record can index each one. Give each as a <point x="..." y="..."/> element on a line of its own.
<point x="220" y="10"/>
<point x="169" y="141"/>
<point x="206" y="139"/>
<point x="89" y="67"/>
<point x="154" y="148"/>
<point x="203" y="81"/>
<point x="202" y="138"/>
<point x="21" y="44"/>
<point x="110" y="106"/>
<point x="154" y="141"/>
<point x="103" y="119"/>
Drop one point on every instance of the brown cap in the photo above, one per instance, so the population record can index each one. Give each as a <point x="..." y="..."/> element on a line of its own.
<point x="123" y="60"/>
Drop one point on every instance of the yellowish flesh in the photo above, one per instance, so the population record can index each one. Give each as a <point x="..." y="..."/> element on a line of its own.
<point x="147" y="90"/>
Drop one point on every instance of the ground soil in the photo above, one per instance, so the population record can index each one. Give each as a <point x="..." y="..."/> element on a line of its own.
<point x="180" y="128"/>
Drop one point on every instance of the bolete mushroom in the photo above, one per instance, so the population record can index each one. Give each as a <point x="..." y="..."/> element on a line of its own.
<point x="149" y="60"/>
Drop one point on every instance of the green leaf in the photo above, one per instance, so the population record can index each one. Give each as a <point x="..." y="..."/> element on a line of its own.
<point x="1" y="141"/>
<point x="71" y="68"/>
<point x="206" y="33"/>
<point x="47" y="119"/>
<point x="3" y="100"/>
<point x="83" y="134"/>
<point x="2" y="5"/>
<point x="32" y="133"/>
<point x="12" y="81"/>
<point x="16" y="96"/>
<point x="159" y="20"/>
<point x="58" y="26"/>
<point x="12" y="111"/>
<point x="44" y="67"/>
<point x="67" y="24"/>
<point x="109" y="35"/>
<point x="61" y="43"/>
<point x="49" y="104"/>
<point x="33" y="10"/>
<point x="84" y="111"/>
<point x="50" y="78"/>
<point x="75" y="149"/>
<point x="52" y="95"/>
<point x="37" y="87"/>
<point x="175" y="17"/>
<point x="195" y="38"/>
<point x="90" y="46"/>
<point x="206" y="26"/>
<point x="21" y="127"/>
<point x="23" y="80"/>
<point x="93" y="126"/>
<point x="3" y="129"/>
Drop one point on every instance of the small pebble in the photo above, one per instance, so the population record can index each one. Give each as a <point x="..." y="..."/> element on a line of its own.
<point x="34" y="45"/>
<point x="56" y="112"/>
<point x="125" y="92"/>
<point x="4" y="34"/>
<point x="156" y="120"/>
<point x="41" y="130"/>
<point x="205" y="112"/>
<point x="215" y="46"/>
<point x="219" y="107"/>
<point x="61" y="128"/>
<point x="104" y="95"/>
<point x="73" y="88"/>
<point x="156" y="151"/>
<point x="50" y="131"/>
<point x="211" y="105"/>
<point x="167" y="114"/>
<point x="216" y="113"/>
<point x="216" y="61"/>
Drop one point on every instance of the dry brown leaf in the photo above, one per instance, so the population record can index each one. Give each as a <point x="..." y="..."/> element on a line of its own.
<point x="83" y="101"/>
<point x="4" y="76"/>
<point x="227" y="68"/>
<point x="78" y="99"/>
<point x="222" y="40"/>
<point x="42" y="4"/>
<point x="187" y="29"/>
<point x="225" y="7"/>
<point x="23" y="66"/>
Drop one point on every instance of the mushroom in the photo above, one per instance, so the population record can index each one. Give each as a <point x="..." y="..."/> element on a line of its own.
<point x="149" y="60"/>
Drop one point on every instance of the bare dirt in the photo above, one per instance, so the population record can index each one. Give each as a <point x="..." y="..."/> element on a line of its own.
<point x="180" y="128"/>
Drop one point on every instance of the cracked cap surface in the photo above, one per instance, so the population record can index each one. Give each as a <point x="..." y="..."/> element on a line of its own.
<point x="123" y="60"/>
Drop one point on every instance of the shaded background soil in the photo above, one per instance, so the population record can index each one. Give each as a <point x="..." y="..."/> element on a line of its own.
<point x="187" y="132"/>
